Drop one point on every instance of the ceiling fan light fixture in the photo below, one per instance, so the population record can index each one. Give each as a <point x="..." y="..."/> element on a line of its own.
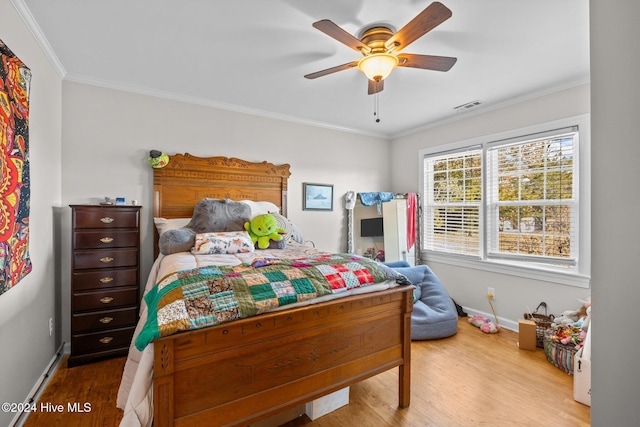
<point x="378" y="66"/>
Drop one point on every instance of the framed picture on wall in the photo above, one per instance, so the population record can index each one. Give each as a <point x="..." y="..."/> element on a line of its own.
<point x="317" y="197"/>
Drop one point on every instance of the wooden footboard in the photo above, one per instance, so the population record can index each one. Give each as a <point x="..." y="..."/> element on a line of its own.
<point x="248" y="370"/>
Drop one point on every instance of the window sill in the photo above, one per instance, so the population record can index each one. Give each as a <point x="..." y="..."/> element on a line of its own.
<point x="510" y="268"/>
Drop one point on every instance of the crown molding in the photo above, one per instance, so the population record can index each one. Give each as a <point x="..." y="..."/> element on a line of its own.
<point x="491" y="107"/>
<point x="214" y="104"/>
<point x="38" y="35"/>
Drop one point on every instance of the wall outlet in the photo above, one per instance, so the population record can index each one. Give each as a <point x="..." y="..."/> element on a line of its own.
<point x="491" y="293"/>
<point x="50" y="326"/>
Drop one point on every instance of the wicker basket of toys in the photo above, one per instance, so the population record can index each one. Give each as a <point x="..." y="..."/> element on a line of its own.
<point x="558" y="353"/>
<point x="542" y="321"/>
<point x="566" y="336"/>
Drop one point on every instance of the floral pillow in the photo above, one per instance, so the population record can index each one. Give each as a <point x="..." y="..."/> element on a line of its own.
<point x="227" y="242"/>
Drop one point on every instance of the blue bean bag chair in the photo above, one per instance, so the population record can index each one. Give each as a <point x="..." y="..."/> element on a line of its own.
<point x="434" y="313"/>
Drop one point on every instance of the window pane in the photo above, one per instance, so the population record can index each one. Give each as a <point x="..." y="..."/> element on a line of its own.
<point x="532" y="186"/>
<point x="508" y="188"/>
<point x="535" y="230"/>
<point x="536" y="170"/>
<point x="559" y="185"/>
<point x="455" y="229"/>
<point x="453" y="187"/>
<point x="558" y="220"/>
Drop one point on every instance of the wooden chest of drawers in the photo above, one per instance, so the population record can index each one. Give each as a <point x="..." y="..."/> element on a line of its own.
<point x="105" y="279"/>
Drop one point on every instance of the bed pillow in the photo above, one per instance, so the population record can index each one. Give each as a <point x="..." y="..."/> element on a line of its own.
<point x="209" y="215"/>
<point x="230" y="242"/>
<point x="259" y="208"/>
<point x="291" y="231"/>
<point x="219" y="215"/>
<point x="164" y="224"/>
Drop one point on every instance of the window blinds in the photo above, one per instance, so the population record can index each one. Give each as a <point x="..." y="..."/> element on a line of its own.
<point x="531" y="198"/>
<point x="453" y="187"/>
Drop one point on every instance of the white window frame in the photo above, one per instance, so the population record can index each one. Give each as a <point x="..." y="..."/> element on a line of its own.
<point x="579" y="275"/>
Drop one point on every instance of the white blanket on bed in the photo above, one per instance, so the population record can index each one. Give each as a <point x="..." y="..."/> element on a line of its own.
<point x="135" y="395"/>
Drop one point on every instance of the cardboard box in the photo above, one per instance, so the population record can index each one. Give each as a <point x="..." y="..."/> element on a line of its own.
<point x="328" y="403"/>
<point x="526" y="334"/>
<point x="582" y="379"/>
<point x="582" y="371"/>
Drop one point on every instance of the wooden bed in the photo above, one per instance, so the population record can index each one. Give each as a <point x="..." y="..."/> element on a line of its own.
<point x="247" y="370"/>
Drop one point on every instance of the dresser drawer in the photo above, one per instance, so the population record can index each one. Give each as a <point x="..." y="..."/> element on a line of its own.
<point x="105" y="239"/>
<point x="105" y="258"/>
<point x="101" y="341"/>
<point x="100" y="217"/>
<point x="86" y="280"/>
<point x="107" y="319"/>
<point x="104" y="300"/>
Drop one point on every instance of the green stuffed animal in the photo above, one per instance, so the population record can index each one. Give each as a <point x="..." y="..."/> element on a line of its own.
<point x="262" y="229"/>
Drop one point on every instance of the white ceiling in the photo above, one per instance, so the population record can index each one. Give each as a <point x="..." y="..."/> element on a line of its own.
<point x="251" y="55"/>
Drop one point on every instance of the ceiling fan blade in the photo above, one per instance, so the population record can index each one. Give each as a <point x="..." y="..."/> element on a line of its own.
<point x="333" y="30"/>
<point x="332" y="70"/>
<point x="375" y="86"/>
<point x="427" y="62"/>
<point x="435" y="14"/>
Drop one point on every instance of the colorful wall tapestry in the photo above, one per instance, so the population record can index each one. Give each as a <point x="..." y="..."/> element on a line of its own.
<point x="14" y="169"/>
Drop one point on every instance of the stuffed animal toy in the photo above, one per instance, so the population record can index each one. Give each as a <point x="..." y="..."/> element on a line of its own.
<point x="586" y="319"/>
<point x="157" y="159"/>
<point x="567" y="317"/>
<point x="485" y="325"/>
<point x="489" y="327"/>
<point x="262" y="229"/>
<point x="584" y="314"/>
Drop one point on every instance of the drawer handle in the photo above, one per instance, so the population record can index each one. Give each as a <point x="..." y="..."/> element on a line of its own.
<point x="106" y="320"/>
<point x="106" y="340"/>
<point x="106" y="279"/>
<point x="106" y="259"/>
<point x="106" y="220"/>
<point x="106" y="239"/>
<point x="106" y="300"/>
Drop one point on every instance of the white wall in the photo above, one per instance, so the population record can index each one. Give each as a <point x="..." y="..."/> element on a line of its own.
<point x="469" y="286"/>
<point x="108" y="135"/>
<point x="25" y="309"/>
<point x="615" y="60"/>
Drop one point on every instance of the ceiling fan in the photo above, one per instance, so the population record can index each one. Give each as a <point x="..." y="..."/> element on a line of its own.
<point x="380" y="47"/>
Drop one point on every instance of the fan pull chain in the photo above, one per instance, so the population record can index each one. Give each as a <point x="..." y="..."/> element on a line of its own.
<point x="376" y="107"/>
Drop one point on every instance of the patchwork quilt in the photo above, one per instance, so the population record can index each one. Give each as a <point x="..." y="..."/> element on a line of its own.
<point x="205" y="296"/>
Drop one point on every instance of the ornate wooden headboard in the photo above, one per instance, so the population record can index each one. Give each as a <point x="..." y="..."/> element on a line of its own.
<point x="178" y="186"/>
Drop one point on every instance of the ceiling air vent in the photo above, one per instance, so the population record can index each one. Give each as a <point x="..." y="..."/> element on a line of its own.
<point x="467" y="106"/>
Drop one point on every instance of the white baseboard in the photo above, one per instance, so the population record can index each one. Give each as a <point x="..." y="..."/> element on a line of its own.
<point x="39" y="386"/>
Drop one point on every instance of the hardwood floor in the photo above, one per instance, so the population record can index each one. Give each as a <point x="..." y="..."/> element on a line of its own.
<point x="470" y="379"/>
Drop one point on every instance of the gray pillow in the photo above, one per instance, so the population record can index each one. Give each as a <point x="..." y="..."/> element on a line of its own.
<point x="209" y="215"/>
<point x="176" y="240"/>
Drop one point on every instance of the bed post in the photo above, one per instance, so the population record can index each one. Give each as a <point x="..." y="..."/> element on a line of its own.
<point x="163" y="411"/>
<point x="404" y="373"/>
<point x="285" y="206"/>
